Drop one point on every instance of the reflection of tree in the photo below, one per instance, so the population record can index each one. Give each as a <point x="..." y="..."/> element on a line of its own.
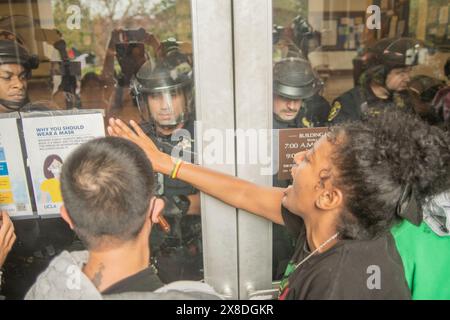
<point x="286" y="10"/>
<point x="80" y="39"/>
<point x="99" y="17"/>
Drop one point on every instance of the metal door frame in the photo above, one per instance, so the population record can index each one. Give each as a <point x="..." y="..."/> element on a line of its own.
<point x="232" y="43"/>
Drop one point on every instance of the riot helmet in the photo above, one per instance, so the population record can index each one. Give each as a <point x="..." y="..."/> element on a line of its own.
<point x="8" y="35"/>
<point x="389" y="54"/>
<point x="400" y="53"/>
<point x="13" y="53"/>
<point x="163" y="94"/>
<point x="294" y="78"/>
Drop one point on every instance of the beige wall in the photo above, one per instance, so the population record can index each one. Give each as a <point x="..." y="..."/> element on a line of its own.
<point x="337" y="5"/>
<point x="422" y="23"/>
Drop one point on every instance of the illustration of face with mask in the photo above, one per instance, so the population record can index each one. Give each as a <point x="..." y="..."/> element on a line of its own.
<point x="55" y="168"/>
<point x="52" y="166"/>
<point x="52" y="172"/>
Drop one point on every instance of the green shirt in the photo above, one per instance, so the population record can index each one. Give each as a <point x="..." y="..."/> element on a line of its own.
<point x="426" y="260"/>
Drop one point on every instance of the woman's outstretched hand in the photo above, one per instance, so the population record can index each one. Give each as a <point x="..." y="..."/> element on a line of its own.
<point x="263" y="201"/>
<point x="161" y="162"/>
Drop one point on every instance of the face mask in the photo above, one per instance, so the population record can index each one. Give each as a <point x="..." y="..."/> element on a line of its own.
<point x="13" y="105"/>
<point x="55" y="168"/>
<point x="56" y="172"/>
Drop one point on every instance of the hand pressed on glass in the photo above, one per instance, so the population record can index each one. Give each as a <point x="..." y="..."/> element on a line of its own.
<point x="161" y="162"/>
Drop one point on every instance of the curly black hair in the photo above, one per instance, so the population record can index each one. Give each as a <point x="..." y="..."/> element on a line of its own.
<point x="376" y="159"/>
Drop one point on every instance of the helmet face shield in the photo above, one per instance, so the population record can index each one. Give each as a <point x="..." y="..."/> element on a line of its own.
<point x="163" y="94"/>
<point x="167" y="107"/>
<point x="404" y="52"/>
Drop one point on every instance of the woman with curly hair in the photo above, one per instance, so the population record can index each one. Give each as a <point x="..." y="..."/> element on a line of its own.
<point x="347" y="192"/>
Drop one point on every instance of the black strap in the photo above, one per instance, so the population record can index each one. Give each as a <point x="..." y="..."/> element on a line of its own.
<point x="12" y="105"/>
<point x="408" y="207"/>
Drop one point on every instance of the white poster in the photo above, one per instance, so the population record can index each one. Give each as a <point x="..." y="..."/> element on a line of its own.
<point x="49" y="141"/>
<point x="14" y="193"/>
<point x="329" y="32"/>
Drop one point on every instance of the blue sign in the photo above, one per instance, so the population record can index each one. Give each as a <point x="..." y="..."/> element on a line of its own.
<point x="3" y="169"/>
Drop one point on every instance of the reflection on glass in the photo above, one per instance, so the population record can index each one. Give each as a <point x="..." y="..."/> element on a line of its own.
<point x="133" y="59"/>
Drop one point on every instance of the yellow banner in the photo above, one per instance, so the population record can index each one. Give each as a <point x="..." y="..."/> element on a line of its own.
<point x="5" y="183"/>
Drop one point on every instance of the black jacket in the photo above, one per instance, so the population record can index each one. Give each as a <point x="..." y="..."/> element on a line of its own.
<point x="360" y="102"/>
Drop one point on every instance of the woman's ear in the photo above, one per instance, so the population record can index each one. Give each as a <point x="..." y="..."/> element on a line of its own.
<point x="156" y="208"/>
<point x="330" y="199"/>
<point x="66" y="217"/>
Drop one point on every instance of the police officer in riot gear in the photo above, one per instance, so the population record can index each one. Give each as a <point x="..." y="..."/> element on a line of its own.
<point x="384" y="83"/>
<point x="164" y="97"/>
<point x="15" y="69"/>
<point x="296" y="104"/>
<point x="296" y="100"/>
